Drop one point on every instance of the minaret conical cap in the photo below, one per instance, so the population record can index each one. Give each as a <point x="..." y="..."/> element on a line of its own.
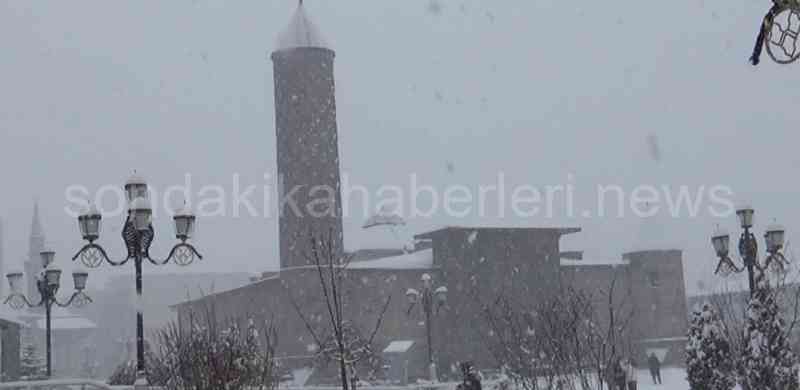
<point x="301" y="32"/>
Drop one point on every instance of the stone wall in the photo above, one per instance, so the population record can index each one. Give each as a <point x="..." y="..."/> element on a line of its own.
<point x="476" y="265"/>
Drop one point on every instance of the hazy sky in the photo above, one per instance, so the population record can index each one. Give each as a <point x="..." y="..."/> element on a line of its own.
<point x="454" y="91"/>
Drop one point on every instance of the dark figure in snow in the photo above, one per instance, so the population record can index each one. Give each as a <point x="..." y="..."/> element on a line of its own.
<point x="620" y="379"/>
<point x="470" y="379"/>
<point x="655" y="368"/>
<point x="630" y="374"/>
<point x="777" y="7"/>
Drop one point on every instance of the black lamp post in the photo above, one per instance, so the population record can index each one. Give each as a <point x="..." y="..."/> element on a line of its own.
<point x="748" y="249"/>
<point x="47" y="282"/>
<point x="430" y="301"/>
<point x="138" y="234"/>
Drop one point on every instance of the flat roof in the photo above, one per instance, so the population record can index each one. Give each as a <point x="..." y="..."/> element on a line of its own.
<point x="422" y="259"/>
<point x="398" y="346"/>
<point x="532" y="229"/>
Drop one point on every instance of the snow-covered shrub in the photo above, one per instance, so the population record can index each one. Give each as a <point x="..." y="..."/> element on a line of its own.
<point x="709" y="362"/>
<point x="207" y="356"/>
<point x="767" y="362"/>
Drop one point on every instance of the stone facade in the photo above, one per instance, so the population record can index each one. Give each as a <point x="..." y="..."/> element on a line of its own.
<point x="659" y="298"/>
<point x="476" y="265"/>
<point x="648" y="287"/>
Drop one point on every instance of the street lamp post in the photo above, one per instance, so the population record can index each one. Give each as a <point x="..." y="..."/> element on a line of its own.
<point x="748" y="249"/>
<point x="138" y="235"/>
<point x="430" y="300"/>
<point x="47" y="282"/>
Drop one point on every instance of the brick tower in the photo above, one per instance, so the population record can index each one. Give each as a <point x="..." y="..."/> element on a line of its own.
<point x="307" y="142"/>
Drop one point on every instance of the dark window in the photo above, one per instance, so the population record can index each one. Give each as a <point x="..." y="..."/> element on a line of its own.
<point x="652" y="278"/>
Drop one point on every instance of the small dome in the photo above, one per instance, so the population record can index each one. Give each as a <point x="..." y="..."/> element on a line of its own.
<point x="301" y="32"/>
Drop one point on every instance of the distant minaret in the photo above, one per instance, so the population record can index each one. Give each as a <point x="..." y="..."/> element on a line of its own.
<point x="307" y="140"/>
<point x="33" y="264"/>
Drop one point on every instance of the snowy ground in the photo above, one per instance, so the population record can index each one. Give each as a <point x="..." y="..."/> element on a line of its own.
<point x="672" y="378"/>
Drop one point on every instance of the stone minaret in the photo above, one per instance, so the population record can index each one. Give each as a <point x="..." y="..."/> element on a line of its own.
<point x="33" y="264"/>
<point x="307" y="141"/>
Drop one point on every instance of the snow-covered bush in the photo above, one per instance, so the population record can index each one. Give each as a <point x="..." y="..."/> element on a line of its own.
<point x="709" y="363"/>
<point x="767" y="362"/>
<point x="207" y="356"/>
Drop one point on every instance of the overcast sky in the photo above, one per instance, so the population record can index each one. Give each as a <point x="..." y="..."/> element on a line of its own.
<point x="454" y="91"/>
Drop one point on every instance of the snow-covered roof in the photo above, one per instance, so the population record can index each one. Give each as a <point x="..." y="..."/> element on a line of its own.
<point x="67" y="323"/>
<point x="398" y="346"/>
<point x="383" y="218"/>
<point x="416" y="260"/>
<point x="61" y="318"/>
<point x="507" y="227"/>
<point x="591" y="262"/>
<point x="301" y="32"/>
<point x="299" y="377"/>
<point x="7" y="314"/>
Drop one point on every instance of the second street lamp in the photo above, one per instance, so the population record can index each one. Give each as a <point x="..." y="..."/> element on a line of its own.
<point x="748" y="249"/>
<point x="430" y="301"/>
<point x="47" y="283"/>
<point x="138" y="235"/>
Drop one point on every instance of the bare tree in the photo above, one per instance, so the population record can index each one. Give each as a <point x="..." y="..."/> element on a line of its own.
<point x="563" y="341"/>
<point x="341" y="342"/>
<point x="608" y="327"/>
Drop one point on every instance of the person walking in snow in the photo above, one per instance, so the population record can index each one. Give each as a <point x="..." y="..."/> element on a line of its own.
<point x="619" y="375"/>
<point x="630" y="374"/>
<point x="655" y="368"/>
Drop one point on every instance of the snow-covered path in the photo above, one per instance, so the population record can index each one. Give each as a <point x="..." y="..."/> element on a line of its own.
<point x="672" y="378"/>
